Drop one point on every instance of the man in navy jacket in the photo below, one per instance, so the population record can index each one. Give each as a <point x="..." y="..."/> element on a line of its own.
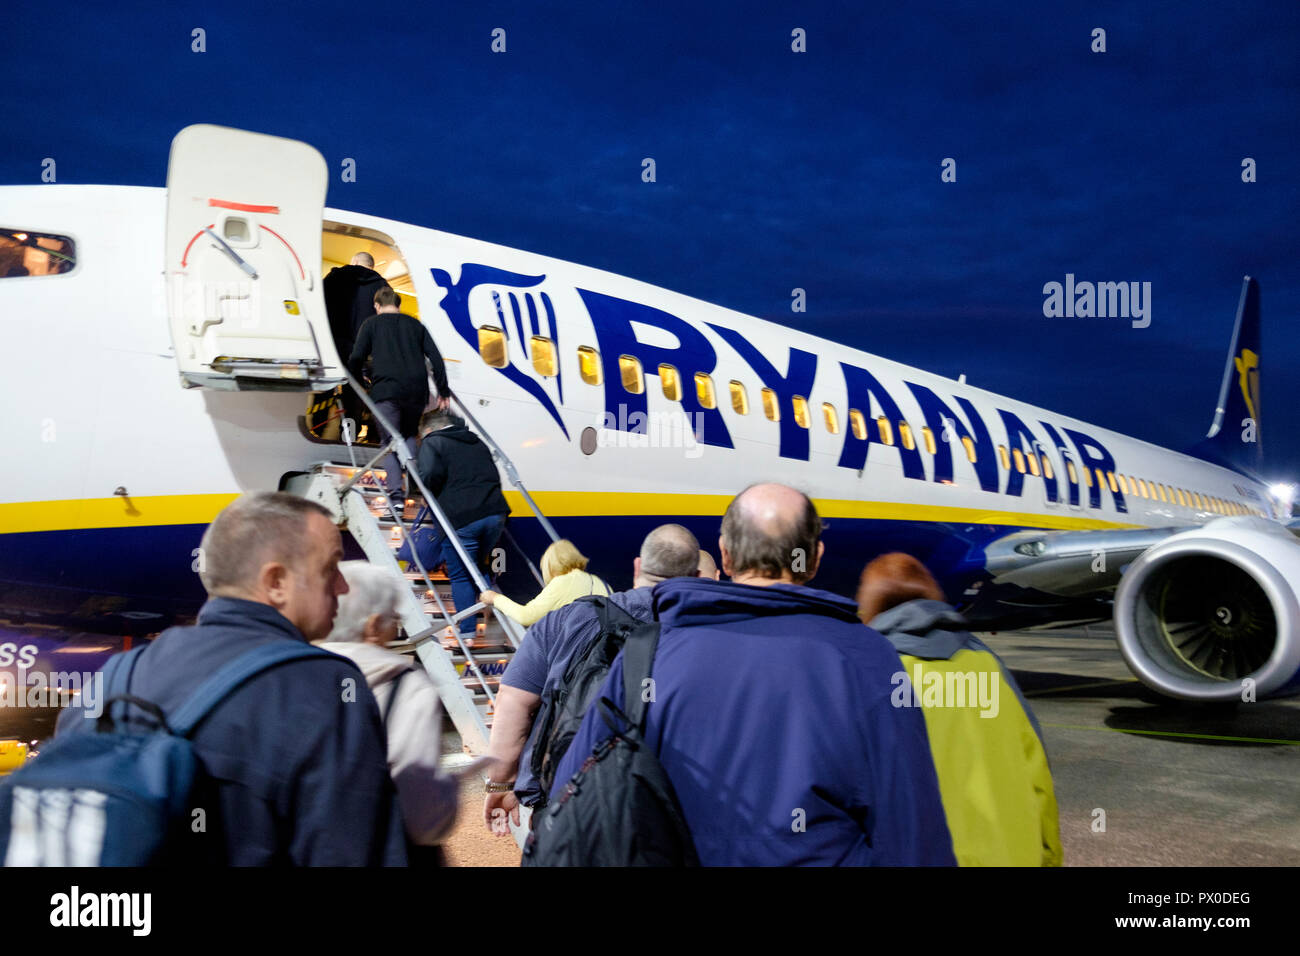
<point x="294" y="761"/>
<point x="771" y="712"/>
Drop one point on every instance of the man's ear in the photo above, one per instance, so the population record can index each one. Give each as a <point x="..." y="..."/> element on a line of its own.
<point x="274" y="582"/>
<point x="636" y="567"/>
<point x="370" y="634"/>
<point x="725" y="563"/>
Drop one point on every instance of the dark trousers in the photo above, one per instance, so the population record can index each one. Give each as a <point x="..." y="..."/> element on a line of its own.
<point x="406" y="418"/>
<point x="477" y="538"/>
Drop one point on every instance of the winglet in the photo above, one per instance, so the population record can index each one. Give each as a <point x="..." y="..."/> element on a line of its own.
<point x="1234" y="436"/>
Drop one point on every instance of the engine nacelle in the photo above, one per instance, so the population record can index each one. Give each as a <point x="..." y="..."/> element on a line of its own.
<point x="1203" y="611"/>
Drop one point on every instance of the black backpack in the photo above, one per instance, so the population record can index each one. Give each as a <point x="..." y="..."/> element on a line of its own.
<point x="620" y="808"/>
<point x="565" y="704"/>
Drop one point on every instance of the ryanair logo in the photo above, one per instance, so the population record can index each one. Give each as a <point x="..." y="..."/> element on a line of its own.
<point x="1248" y="381"/>
<point x="492" y="302"/>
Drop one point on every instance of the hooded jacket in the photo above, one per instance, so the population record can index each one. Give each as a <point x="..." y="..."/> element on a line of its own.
<point x="458" y="470"/>
<point x="414" y="728"/>
<point x="988" y="749"/>
<point x="772" y="718"/>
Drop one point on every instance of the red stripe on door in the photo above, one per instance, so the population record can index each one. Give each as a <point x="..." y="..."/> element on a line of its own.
<point x="243" y="206"/>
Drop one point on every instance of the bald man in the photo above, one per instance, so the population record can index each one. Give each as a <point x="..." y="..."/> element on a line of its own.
<point x="669" y="551"/>
<point x="772" y="712"/>
<point x="707" y="567"/>
<point x="349" y="301"/>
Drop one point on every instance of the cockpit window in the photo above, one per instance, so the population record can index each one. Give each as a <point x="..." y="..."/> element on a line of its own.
<point x="24" y="253"/>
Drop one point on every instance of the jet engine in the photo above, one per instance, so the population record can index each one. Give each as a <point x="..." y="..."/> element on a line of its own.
<point x="1212" y="614"/>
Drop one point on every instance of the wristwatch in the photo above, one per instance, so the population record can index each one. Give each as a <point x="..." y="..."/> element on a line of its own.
<point x="491" y="786"/>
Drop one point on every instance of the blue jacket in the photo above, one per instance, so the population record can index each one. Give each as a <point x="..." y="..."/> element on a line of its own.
<point x="772" y="718"/>
<point x="296" y="762"/>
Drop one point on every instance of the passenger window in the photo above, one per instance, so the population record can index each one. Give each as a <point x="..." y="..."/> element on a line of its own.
<point x="1110" y="479"/>
<point x="1087" y="477"/>
<point x="1163" y="493"/>
<point x="1074" y="475"/>
<point x="633" y="378"/>
<point x="492" y="346"/>
<point x="927" y="438"/>
<point x="739" y="398"/>
<point x="589" y="364"/>
<point x="1018" y="457"/>
<point x="1032" y="461"/>
<point x="831" y="418"/>
<point x="1047" y="468"/>
<point x="886" y="430"/>
<point x="1004" y="458"/>
<point x="800" y="411"/>
<point x="905" y="436"/>
<point x="35" y="254"/>
<point x="704" y="390"/>
<point x="672" y="383"/>
<point x="543" y="350"/>
<point x="970" y="448"/>
<point x="770" y="407"/>
<point x="858" y="423"/>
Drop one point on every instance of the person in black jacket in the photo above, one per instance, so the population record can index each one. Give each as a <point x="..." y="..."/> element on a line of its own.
<point x="349" y="301"/>
<point x="398" y="344"/>
<point x="294" y="766"/>
<point x="459" y="472"/>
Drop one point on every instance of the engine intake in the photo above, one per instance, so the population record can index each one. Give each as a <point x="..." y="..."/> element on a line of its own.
<point x="1202" y="612"/>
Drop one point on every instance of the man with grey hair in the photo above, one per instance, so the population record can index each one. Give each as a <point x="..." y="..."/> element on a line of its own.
<point x="772" y="713"/>
<point x="669" y="551"/>
<point x="367" y="621"/>
<point x="292" y="761"/>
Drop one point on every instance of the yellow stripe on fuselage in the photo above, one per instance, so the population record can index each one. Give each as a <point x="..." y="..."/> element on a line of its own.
<point x="75" y="514"/>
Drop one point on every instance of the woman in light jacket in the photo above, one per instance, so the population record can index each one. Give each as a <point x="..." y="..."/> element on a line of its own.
<point x="564" y="573"/>
<point x="367" y="619"/>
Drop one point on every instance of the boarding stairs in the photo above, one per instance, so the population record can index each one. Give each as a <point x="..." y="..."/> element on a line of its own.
<point x="466" y="672"/>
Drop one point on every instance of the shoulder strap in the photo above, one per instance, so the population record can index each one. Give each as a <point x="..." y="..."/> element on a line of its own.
<point x="214" y="690"/>
<point x="638" y="660"/>
<point x="392" y="697"/>
<point x="117" y="672"/>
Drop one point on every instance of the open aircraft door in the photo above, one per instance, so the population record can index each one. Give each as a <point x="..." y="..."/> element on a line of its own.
<point x="244" y="299"/>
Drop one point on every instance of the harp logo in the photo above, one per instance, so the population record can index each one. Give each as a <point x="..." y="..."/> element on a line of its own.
<point x="1248" y="379"/>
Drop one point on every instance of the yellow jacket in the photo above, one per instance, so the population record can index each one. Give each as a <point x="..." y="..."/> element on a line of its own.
<point x="565" y="588"/>
<point x="988" y="753"/>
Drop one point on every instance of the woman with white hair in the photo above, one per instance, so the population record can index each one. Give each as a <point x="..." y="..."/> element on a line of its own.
<point x="368" y="619"/>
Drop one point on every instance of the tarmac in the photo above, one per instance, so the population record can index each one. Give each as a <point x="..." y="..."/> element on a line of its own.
<point x="1178" y="783"/>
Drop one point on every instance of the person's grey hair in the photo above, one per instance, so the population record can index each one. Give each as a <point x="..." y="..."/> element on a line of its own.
<point x="370" y="591"/>
<point x="669" y="551"/>
<point x="363" y="259"/>
<point x="767" y="551"/>
<point x="249" y="532"/>
<point x="435" y="420"/>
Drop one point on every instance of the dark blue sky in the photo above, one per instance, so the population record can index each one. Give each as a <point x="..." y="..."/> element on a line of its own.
<point x="775" y="170"/>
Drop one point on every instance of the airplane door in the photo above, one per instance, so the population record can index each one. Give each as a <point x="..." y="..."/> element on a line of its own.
<point x="243" y="256"/>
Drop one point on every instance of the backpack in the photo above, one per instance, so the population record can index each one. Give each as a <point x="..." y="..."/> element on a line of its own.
<point x="620" y="808"/>
<point x="116" y="796"/>
<point x="566" y="703"/>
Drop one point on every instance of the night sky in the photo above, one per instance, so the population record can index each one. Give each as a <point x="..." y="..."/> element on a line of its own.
<point x="775" y="169"/>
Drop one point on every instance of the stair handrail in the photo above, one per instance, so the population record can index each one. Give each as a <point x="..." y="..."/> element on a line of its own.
<point x="398" y="445"/>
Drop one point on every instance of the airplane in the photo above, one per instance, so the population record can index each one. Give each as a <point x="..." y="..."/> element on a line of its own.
<point x="170" y="350"/>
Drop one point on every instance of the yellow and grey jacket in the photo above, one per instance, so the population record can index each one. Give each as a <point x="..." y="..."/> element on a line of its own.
<point x="988" y="749"/>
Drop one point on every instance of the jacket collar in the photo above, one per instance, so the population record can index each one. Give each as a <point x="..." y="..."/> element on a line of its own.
<point x="689" y="602"/>
<point x="923" y="628"/>
<point x="238" y="612"/>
